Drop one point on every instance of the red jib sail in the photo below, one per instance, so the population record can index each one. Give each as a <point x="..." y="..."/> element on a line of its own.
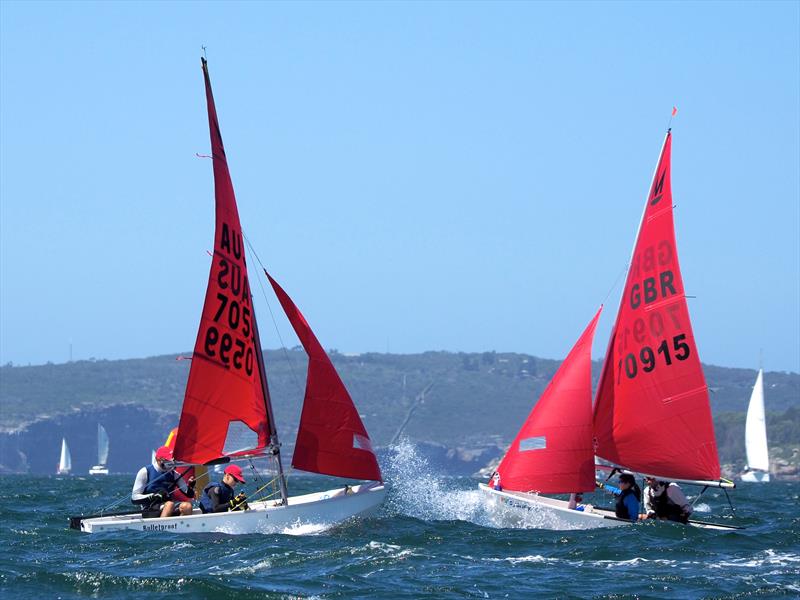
<point x="224" y="410"/>
<point x="331" y="438"/>
<point x="552" y="453"/>
<point x="652" y="413"/>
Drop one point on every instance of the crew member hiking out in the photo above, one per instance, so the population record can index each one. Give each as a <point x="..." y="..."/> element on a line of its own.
<point x="219" y="497"/>
<point x="155" y="483"/>
<point x="666" y="500"/>
<point x="627" y="497"/>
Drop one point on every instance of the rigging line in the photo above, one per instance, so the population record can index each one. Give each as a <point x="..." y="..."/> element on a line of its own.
<point x="698" y="496"/>
<point x="272" y="316"/>
<point x="733" y="510"/>
<point x="256" y="475"/>
<point x="113" y="505"/>
<point x="614" y="285"/>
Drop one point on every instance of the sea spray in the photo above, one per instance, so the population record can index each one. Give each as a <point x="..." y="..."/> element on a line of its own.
<point x="417" y="491"/>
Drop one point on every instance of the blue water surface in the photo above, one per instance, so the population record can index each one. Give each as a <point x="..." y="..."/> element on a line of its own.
<point x="434" y="537"/>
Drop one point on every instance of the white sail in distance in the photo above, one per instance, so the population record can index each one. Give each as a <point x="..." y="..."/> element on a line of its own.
<point x="755" y="429"/>
<point x="102" y="445"/>
<point x="65" y="462"/>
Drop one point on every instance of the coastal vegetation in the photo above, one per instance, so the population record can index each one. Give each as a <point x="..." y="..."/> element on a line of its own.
<point x="470" y="399"/>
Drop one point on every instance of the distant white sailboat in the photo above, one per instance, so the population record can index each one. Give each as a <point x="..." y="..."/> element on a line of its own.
<point x="101" y="467"/>
<point x="65" y="462"/>
<point x="755" y="436"/>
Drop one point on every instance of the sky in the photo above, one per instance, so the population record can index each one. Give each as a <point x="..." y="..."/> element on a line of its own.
<point x="418" y="176"/>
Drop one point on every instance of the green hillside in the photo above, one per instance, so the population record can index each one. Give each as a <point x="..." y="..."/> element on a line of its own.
<point x="475" y="398"/>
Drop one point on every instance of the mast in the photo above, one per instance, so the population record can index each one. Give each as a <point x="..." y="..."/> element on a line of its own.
<point x="224" y="402"/>
<point x="610" y="347"/>
<point x="274" y="444"/>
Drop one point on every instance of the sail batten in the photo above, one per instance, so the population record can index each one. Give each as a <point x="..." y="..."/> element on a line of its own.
<point x="652" y="412"/>
<point x="331" y="438"/>
<point x="552" y="452"/>
<point x="225" y="382"/>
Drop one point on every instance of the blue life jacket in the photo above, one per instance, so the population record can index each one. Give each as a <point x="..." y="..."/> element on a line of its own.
<point x="160" y="482"/>
<point x="621" y="508"/>
<point x="224" y="493"/>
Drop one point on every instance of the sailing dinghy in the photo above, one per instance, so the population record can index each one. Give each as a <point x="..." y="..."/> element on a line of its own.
<point x="65" y="461"/>
<point x="101" y="467"/>
<point x="552" y="453"/>
<point x="755" y="436"/>
<point x="652" y="414"/>
<point x="227" y="411"/>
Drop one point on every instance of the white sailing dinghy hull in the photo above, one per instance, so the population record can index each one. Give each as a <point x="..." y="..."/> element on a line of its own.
<point x="98" y="470"/>
<point x="551" y="513"/>
<point x="325" y="509"/>
<point x="554" y="514"/>
<point x="755" y="477"/>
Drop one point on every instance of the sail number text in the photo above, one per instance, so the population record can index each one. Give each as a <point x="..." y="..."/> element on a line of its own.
<point x="229" y="339"/>
<point x="647" y="358"/>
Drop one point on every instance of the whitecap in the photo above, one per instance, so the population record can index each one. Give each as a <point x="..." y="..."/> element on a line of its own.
<point x="306" y="528"/>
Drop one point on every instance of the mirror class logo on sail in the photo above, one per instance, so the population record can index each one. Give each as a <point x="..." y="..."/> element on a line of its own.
<point x="651" y="335"/>
<point x="228" y="339"/>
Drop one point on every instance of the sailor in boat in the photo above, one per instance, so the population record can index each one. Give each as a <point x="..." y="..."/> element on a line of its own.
<point x="494" y="482"/>
<point x="220" y="497"/>
<point x="666" y="500"/>
<point x="155" y="483"/>
<point x="576" y="503"/>
<point x="628" y="497"/>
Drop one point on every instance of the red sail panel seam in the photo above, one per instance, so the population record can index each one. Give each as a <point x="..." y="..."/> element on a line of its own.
<point x="686" y="394"/>
<point x="664" y="211"/>
<point x="665" y="302"/>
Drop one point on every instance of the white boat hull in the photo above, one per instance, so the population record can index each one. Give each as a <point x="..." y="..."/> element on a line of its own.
<point x="318" y="509"/>
<point x="755" y="477"/>
<point x="550" y="513"/>
<point x="98" y="470"/>
<point x="545" y="512"/>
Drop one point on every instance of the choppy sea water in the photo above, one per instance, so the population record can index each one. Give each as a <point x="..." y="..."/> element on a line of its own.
<point x="433" y="537"/>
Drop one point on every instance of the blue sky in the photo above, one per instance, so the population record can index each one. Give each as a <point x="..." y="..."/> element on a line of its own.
<point x="421" y="176"/>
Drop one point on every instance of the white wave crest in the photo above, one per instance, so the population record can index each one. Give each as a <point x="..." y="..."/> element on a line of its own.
<point x="768" y="558"/>
<point x="299" y="528"/>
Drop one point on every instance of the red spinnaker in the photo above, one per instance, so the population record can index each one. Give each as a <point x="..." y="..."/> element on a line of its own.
<point x="331" y="438"/>
<point x="652" y="413"/>
<point x="552" y="453"/>
<point x="225" y="384"/>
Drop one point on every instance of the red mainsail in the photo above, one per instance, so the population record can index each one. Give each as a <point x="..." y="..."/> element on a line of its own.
<point x="552" y="453"/>
<point x="224" y="410"/>
<point x="331" y="438"/>
<point x="652" y="412"/>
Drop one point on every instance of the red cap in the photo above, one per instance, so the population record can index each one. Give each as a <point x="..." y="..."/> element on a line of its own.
<point x="236" y="472"/>
<point x="164" y="453"/>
